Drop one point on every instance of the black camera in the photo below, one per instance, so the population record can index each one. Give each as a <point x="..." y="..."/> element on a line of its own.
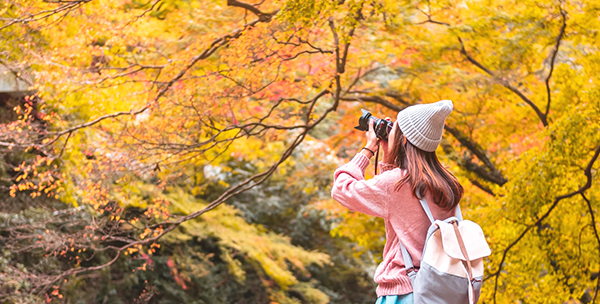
<point x="382" y="127"/>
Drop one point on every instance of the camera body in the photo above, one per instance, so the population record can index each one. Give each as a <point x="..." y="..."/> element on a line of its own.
<point x="382" y="127"/>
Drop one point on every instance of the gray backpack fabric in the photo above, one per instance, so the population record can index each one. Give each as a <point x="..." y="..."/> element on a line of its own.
<point x="451" y="269"/>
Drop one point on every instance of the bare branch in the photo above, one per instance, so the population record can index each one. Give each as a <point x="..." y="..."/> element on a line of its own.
<point x="504" y="83"/>
<point x="143" y="13"/>
<point x="482" y="187"/>
<point x="95" y="121"/>
<point x="434" y="22"/>
<point x="67" y="7"/>
<point x="495" y="175"/>
<point x="314" y="47"/>
<point x="346" y="48"/>
<point x="589" y="205"/>
<point x="429" y="15"/>
<point x="553" y="58"/>
<point x="359" y="76"/>
<point x="336" y="41"/>
<point x="65" y="145"/>
<point x="263" y="17"/>
<point x="398" y="97"/>
<point x="473" y="61"/>
<point x="374" y="99"/>
<point x="468" y="165"/>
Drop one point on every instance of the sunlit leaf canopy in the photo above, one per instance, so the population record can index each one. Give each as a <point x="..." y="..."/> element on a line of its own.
<point x="170" y="93"/>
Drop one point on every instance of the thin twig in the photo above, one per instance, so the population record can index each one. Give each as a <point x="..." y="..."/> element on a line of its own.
<point x="69" y="6"/>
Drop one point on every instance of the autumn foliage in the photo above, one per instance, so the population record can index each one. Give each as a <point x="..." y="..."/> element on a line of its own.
<point x="178" y="151"/>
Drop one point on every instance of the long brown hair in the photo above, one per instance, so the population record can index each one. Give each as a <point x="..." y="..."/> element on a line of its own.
<point x="425" y="173"/>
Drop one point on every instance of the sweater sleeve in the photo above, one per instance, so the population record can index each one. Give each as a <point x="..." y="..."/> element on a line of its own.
<point x="357" y="194"/>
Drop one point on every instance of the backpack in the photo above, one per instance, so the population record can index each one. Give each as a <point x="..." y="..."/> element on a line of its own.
<point x="451" y="270"/>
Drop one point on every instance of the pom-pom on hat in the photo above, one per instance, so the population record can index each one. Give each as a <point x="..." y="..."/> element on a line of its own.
<point x="423" y="124"/>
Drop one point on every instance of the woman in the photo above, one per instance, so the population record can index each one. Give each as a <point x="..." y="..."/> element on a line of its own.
<point x="409" y="167"/>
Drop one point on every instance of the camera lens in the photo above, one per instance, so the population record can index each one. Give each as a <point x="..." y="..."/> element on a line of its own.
<point x="382" y="127"/>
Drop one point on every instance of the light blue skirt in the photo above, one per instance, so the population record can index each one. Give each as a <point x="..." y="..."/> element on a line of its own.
<point x="402" y="299"/>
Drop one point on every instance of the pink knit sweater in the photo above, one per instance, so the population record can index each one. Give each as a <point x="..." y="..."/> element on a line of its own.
<point x="404" y="217"/>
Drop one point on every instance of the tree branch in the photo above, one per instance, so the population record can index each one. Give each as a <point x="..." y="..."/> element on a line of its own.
<point x="482" y="187"/>
<point x="469" y="166"/>
<point x="374" y="99"/>
<point x="66" y="8"/>
<point x="589" y="205"/>
<point x="346" y="48"/>
<point x="553" y="58"/>
<point x="263" y="17"/>
<point x="213" y="47"/>
<point x="494" y="175"/>
<point x="542" y="116"/>
<point x="340" y="61"/>
<point x="433" y="21"/>
<point x="504" y="83"/>
<point x="398" y="97"/>
<point x="336" y="41"/>
<point x="245" y="185"/>
<point x="588" y="184"/>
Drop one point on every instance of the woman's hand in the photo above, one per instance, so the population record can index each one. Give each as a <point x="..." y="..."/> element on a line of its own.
<point x="386" y="145"/>
<point x="372" y="141"/>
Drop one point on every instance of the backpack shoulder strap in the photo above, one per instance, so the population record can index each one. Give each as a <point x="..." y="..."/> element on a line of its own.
<point x="425" y="206"/>
<point x="427" y="210"/>
<point x="458" y="213"/>
<point x="408" y="262"/>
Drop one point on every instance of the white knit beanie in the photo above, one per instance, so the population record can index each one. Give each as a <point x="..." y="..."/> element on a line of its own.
<point x="423" y="124"/>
